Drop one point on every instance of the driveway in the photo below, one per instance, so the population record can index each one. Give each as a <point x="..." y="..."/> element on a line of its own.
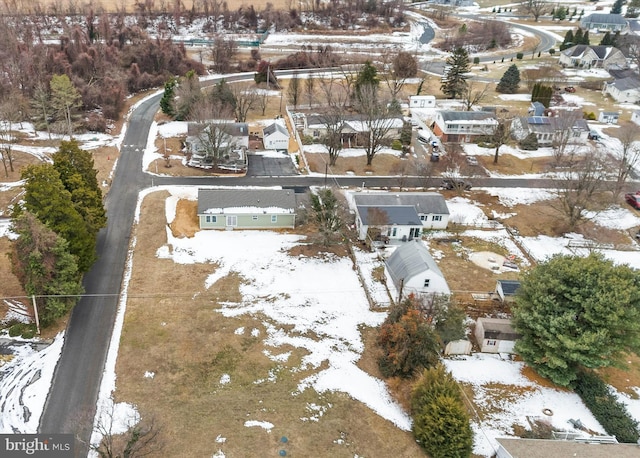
<point x="261" y="166"/>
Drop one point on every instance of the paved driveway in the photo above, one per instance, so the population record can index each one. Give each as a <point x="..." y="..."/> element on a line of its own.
<point x="260" y="166"/>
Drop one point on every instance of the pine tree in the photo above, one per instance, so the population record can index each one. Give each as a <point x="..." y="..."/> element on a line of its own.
<point x="46" y="197"/>
<point x="606" y="39"/>
<point x="166" y="102"/>
<point x="65" y="101"/>
<point x="575" y="312"/>
<point x="367" y="76"/>
<point x="568" y="40"/>
<point x="510" y="81"/>
<point x="542" y="93"/>
<point x="77" y="172"/>
<point x="585" y="38"/>
<point x="578" y="37"/>
<point x="617" y="7"/>
<point x="454" y="81"/>
<point x="45" y="267"/>
<point x="633" y="9"/>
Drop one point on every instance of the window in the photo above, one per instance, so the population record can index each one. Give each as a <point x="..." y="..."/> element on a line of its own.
<point x="393" y="232"/>
<point x="274" y="218"/>
<point x="423" y="217"/>
<point x="436" y="218"/>
<point x="316" y="133"/>
<point x="492" y="343"/>
<point x="210" y="219"/>
<point x="254" y="217"/>
<point x="232" y="220"/>
<point x="426" y="283"/>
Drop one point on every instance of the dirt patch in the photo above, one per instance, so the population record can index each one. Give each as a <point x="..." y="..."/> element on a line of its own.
<point x="185" y="223"/>
<point x="624" y="380"/>
<point x="314" y="250"/>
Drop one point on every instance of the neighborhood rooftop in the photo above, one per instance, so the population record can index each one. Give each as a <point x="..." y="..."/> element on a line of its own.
<point x="402" y="214"/>
<point x="409" y="260"/>
<point x="215" y="199"/>
<point x="423" y="202"/>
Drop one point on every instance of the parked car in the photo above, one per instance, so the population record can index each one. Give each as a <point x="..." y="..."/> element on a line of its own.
<point x="633" y="199"/>
<point x="593" y="135"/>
<point x="435" y="157"/>
<point x="471" y="160"/>
<point x="455" y="183"/>
<point x="569" y="89"/>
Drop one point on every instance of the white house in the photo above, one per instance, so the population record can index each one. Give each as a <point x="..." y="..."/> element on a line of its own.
<point x="276" y="136"/>
<point x="399" y="216"/>
<point x="609" y="117"/>
<point x="463" y="126"/>
<point x="414" y="271"/>
<point x="588" y="56"/>
<point x="568" y="126"/>
<point x="495" y="335"/>
<point x="422" y="101"/>
<point x="624" y="90"/>
<point x="635" y="117"/>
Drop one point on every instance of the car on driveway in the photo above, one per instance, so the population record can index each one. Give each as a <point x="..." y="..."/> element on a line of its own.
<point x="455" y="183"/>
<point x="633" y="199"/>
<point x="569" y="89"/>
<point x="471" y="160"/>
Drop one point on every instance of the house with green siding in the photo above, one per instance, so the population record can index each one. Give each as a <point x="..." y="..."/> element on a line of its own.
<point x="246" y="209"/>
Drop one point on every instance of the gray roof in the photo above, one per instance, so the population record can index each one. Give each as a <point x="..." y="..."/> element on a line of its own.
<point x="538" y="108"/>
<point x="232" y="198"/>
<point x="465" y="115"/>
<point x="550" y="124"/>
<point x="509" y="287"/>
<point x="235" y="129"/>
<point x="610" y="113"/>
<point x="424" y="202"/>
<point x="400" y="215"/>
<point x="578" y="50"/>
<point x="603" y="18"/>
<point x="540" y="448"/>
<point x="498" y="328"/>
<point x="625" y="84"/>
<point x="409" y="260"/>
<point x="276" y="126"/>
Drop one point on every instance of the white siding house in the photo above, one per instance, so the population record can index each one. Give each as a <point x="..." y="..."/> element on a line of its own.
<point x="422" y="101"/>
<point x="414" y="271"/>
<point x="635" y="117"/>
<point x="495" y="335"/>
<point x="609" y="117"/>
<point x="276" y="136"/>
<point x="624" y="90"/>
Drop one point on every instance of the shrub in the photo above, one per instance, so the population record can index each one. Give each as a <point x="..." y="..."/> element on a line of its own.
<point x="604" y="406"/>
<point x="24" y="330"/>
<point x="519" y="56"/>
<point x="396" y="145"/>
<point x="552" y="51"/>
<point x="307" y="140"/>
<point x="529" y="143"/>
<point x="476" y="60"/>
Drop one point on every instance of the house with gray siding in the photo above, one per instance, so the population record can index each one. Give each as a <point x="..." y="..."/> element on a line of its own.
<point x="246" y="209"/>
<point x="604" y="22"/>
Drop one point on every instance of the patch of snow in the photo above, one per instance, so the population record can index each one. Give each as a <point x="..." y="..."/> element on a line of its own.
<point x="148" y="374"/>
<point x="261" y="424"/>
<point x="225" y="379"/>
<point x="239" y="331"/>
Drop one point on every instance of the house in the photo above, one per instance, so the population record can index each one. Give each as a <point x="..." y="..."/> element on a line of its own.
<point x="463" y="126"/>
<point x="399" y="216"/>
<point x="635" y="117"/>
<point x="414" y="271"/>
<point x="506" y="289"/>
<point x="609" y="117"/>
<point x="543" y="448"/>
<point x="235" y="133"/>
<point x="354" y="131"/>
<point x="604" y="22"/>
<point x="495" y="335"/>
<point x="588" y="56"/>
<point x="246" y="208"/>
<point x="422" y="101"/>
<point x="624" y="90"/>
<point x="276" y="136"/>
<point x="550" y="129"/>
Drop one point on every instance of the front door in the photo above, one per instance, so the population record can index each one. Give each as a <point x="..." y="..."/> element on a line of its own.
<point x="232" y="220"/>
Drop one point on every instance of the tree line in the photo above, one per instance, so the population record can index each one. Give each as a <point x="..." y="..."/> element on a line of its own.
<point x="57" y="223"/>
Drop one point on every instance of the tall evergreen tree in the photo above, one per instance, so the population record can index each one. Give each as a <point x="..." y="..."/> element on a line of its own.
<point x="166" y="102"/>
<point x="578" y="37"/>
<point x="633" y="9"/>
<point x="510" y="81"/>
<point x="607" y="40"/>
<point x="46" y="197"/>
<point x="585" y="38"/>
<point x="77" y="172"/>
<point x="574" y="313"/>
<point x="617" y="7"/>
<point x="367" y="76"/>
<point x="65" y="101"/>
<point x="568" y="40"/>
<point x="454" y="81"/>
<point x="45" y="267"/>
<point x="542" y="93"/>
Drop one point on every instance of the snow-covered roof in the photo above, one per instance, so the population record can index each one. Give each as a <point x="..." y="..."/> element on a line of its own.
<point x="248" y="201"/>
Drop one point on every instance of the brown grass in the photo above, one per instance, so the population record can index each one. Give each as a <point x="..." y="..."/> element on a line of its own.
<point x="185" y="223"/>
<point x="624" y="379"/>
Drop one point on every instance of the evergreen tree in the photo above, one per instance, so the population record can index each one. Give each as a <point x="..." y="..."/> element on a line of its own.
<point x="77" y="172"/>
<point x="633" y="9"/>
<point x="440" y="420"/>
<point x="510" y="81"/>
<point x="578" y="37"/>
<point x="542" y="93"/>
<point x="45" y="267"/>
<point x="454" y="82"/>
<point x="585" y="38"/>
<point x="574" y="313"/>
<point x="46" y="197"/>
<point x="166" y="102"/>
<point x="568" y="40"/>
<point x="607" y="40"/>
<point x="367" y="76"/>
<point x="65" y="101"/>
<point x="617" y="7"/>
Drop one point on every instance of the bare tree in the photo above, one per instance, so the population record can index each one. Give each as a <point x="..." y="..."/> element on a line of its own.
<point x="246" y="99"/>
<point x="501" y="134"/>
<point x="376" y="117"/>
<point x="627" y="158"/>
<point x="473" y="95"/>
<point x="399" y="66"/>
<point x="333" y="122"/>
<point x="216" y="142"/>
<point x="222" y="51"/>
<point x="577" y="186"/>
<point x="309" y="88"/>
<point x="565" y="133"/>
<point x="536" y="8"/>
<point x="293" y="90"/>
<point x="262" y="99"/>
<point x="140" y="439"/>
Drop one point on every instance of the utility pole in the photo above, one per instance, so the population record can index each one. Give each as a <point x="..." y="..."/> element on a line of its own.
<point x="35" y="313"/>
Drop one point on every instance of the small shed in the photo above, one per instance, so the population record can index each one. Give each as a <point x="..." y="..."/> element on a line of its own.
<point x="506" y="289"/>
<point x="495" y="335"/>
<point x="609" y="117"/>
<point x="635" y="117"/>
<point x="414" y="271"/>
<point x="422" y="101"/>
<point x="276" y="136"/>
